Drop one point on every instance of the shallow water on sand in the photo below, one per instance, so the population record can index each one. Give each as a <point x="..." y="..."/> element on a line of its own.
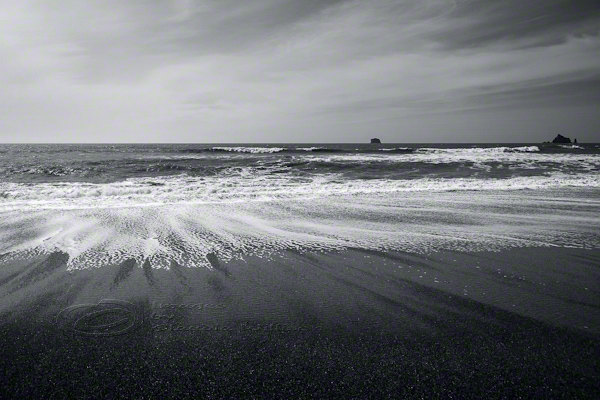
<point x="416" y="222"/>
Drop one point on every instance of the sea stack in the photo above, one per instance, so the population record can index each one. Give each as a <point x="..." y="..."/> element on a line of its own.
<point x="375" y="140"/>
<point x="561" y="139"/>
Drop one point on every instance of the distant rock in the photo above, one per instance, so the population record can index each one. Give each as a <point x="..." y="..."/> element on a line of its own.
<point x="375" y="140"/>
<point x="561" y="139"/>
<point x="575" y="141"/>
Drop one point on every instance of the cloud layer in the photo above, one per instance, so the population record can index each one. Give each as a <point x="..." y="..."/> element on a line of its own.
<point x="298" y="71"/>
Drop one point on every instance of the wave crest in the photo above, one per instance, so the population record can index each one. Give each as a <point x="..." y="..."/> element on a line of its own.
<point x="251" y="150"/>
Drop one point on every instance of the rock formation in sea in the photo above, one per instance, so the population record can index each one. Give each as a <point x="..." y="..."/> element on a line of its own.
<point x="575" y="141"/>
<point x="561" y="139"/>
<point x="375" y="140"/>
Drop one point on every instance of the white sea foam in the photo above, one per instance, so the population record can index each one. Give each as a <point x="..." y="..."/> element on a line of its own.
<point x="309" y="148"/>
<point x="249" y="186"/>
<point x="253" y="150"/>
<point x="410" y="221"/>
<point x="480" y="150"/>
<point x="396" y="149"/>
<point x="524" y="149"/>
<point x="521" y="159"/>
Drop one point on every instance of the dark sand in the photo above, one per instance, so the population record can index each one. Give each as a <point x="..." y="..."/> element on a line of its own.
<point x="363" y="324"/>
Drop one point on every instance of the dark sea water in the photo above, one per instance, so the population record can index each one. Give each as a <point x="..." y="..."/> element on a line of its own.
<point x="104" y="163"/>
<point x="101" y="203"/>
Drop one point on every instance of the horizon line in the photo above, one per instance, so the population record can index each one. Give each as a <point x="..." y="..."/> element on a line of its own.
<point x="286" y="143"/>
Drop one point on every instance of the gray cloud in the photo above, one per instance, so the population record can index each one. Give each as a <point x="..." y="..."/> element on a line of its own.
<point x="517" y="23"/>
<point x="291" y="70"/>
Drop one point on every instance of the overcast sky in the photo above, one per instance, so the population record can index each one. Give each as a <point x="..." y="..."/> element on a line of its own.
<point x="299" y="70"/>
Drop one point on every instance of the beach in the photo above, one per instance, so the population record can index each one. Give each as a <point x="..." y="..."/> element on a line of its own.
<point x="272" y="271"/>
<point x="355" y="323"/>
<point x="308" y="199"/>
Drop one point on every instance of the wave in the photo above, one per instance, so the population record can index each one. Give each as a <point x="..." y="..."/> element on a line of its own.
<point x="318" y="149"/>
<point x="523" y="149"/>
<point x="322" y="149"/>
<point x="234" y="149"/>
<point x="399" y="150"/>
<point x="252" y="185"/>
<point x="45" y="170"/>
<point x="479" y="150"/>
<point x="264" y="150"/>
<point x="367" y="149"/>
<point x="252" y="150"/>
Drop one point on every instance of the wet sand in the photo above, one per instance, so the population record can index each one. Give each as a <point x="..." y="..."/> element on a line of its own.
<point x="365" y="324"/>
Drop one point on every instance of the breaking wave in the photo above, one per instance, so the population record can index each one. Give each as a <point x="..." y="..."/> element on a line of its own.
<point x="251" y="150"/>
<point x="479" y="150"/>
<point x="399" y="150"/>
<point x="326" y="149"/>
<point x="250" y="185"/>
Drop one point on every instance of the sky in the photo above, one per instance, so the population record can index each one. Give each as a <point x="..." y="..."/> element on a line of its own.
<point x="256" y="71"/>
